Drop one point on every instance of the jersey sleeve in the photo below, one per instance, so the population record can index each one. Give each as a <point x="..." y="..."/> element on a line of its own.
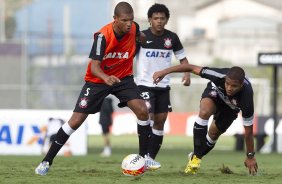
<point x="137" y="28"/>
<point x="98" y="47"/>
<point x="178" y="49"/>
<point x="247" y="107"/>
<point x="213" y="74"/>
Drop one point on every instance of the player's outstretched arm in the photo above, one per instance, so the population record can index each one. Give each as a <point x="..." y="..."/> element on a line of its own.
<point x="159" y="75"/>
<point x="250" y="161"/>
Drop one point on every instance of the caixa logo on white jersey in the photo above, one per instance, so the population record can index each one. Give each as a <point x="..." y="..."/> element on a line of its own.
<point x="161" y="54"/>
<point x="117" y="55"/>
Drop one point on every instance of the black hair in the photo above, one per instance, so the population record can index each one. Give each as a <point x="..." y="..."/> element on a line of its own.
<point x="123" y="7"/>
<point x="158" y="8"/>
<point x="236" y="73"/>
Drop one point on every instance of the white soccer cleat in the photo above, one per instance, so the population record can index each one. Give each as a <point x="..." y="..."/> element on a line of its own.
<point x="107" y="152"/>
<point x="42" y="168"/>
<point x="151" y="164"/>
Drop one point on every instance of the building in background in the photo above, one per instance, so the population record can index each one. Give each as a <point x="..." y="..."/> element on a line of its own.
<point x="239" y="29"/>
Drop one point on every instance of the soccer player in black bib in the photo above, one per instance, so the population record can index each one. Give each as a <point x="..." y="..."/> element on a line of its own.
<point x="227" y="93"/>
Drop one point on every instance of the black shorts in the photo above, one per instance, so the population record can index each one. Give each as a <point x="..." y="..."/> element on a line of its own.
<point x="105" y="122"/>
<point x="92" y="95"/>
<point x="158" y="98"/>
<point x="224" y="115"/>
<point x="105" y="128"/>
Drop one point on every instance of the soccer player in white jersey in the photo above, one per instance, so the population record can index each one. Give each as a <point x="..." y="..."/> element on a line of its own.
<point x="154" y="55"/>
<point x="227" y="93"/>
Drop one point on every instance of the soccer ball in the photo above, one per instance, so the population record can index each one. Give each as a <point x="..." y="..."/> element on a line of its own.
<point x="133" y="165"/>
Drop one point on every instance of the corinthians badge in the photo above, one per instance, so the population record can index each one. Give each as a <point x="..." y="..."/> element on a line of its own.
<point x="83" y="103"/>
<point x="167" y="43"/>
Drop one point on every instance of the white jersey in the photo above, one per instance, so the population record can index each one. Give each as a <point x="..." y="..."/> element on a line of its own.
<point x="155" y="55"/>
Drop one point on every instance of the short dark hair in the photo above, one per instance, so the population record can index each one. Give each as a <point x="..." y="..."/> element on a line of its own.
<point x="123" y="7"/>
<point x="158" y="8"/>
<point x="236" y="73"/>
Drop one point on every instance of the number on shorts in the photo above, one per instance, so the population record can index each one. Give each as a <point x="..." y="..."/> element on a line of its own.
<point x="145" y="95"/>
<point x="87" y="92"/>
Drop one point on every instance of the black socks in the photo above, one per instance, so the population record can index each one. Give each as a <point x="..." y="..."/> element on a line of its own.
<point x="60" y="140"/>
<point x="155" y="145"/>
<point x="200" y="133"/>
<point x="144" y="133"/>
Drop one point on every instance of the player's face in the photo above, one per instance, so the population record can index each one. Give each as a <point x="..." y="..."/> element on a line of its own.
<point x="158" y="22"/>
<point x="232" y="86"/>
<point x="123" y="23"/>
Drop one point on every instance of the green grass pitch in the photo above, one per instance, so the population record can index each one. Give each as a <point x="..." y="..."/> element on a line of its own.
<point x="173" y="157"/>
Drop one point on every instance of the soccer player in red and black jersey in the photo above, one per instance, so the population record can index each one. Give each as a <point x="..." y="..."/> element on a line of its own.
<point x="109" y="72"/>
<point x="227" y="93"/>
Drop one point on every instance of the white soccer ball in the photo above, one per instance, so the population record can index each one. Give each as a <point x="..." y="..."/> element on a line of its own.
<point x="133" y="165"/>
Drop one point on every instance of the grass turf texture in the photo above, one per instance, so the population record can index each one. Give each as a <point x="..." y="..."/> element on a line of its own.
<point x="173" y="157"/>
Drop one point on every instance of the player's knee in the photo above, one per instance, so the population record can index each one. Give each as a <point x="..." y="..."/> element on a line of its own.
<point x="142" y="113"/>
<point x="205" y="113"/>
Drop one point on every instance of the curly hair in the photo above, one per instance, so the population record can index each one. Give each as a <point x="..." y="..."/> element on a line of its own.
<point x="158" y="8"/>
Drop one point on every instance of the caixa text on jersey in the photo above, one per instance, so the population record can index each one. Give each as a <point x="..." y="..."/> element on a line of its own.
<point x="161" y="54"/>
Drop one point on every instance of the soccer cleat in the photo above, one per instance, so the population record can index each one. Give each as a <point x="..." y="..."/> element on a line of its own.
<point x="151" y="164"/>
<point x="106" y="152"/>
<point x="42" y="168"/>
<point x="193" y="164"/>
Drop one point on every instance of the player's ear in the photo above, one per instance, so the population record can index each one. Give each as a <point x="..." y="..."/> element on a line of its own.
<point x="166" y="20"/>
<point x="115" y="17"/>
<point x="150" y="21"/>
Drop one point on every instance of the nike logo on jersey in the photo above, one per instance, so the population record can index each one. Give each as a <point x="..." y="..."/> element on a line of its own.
<point x="117" y="55"/>
<point x="149" y="41"/>
<point x="156" y="54"/>
<point x="110" y="67"/>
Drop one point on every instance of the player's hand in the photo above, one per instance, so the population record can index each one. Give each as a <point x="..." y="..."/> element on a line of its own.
<point x="252" y="165"/>
<point x="111" y="80"/>
<point x="158" y="76"/>
<point x="186" y="79"/>
<point x="142" y="38"/>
